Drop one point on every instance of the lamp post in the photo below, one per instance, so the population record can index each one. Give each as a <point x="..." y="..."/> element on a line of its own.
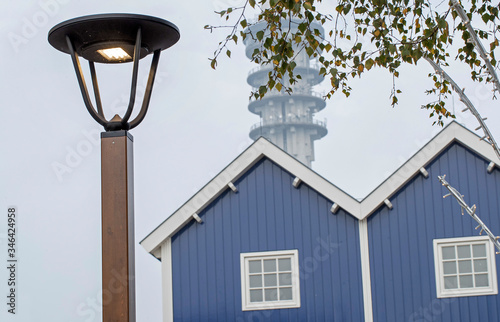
<point x="110" y="39"/>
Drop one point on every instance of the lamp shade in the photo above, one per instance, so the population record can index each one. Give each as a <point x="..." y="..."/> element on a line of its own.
<point x="110" y="38"/>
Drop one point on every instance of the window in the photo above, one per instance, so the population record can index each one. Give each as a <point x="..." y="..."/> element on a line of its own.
<point x="465" y="267"/>
<point x="270" y="280"/>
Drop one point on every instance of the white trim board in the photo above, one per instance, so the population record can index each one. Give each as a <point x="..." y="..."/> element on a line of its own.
<point x="365" y="270"/>
<point x="166" y="282"/>
<point x="261" y="148"/>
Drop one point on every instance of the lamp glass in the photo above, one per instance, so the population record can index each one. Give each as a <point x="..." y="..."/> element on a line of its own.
<point x="114" y="54"/>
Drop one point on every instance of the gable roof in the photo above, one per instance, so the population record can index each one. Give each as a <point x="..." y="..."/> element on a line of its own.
<point x="359" y="209"/>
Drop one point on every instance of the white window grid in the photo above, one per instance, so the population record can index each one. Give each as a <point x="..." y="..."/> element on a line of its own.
<point x="270" y="280"/>
<point x="465" y="267"/>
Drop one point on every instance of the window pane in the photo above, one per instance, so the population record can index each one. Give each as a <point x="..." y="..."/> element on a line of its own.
<point x="269" y="265"/>
<point x="270" y="280"/>
<point x="271" y="294"/>
<point x="479" y="250"/>
<point x="256" y="281"/>
<point x="465" y="267"/>
<point x="466" y="281"/>
<point x="463" y="251"/>
<point x="480" y="265"/>
<point x="450" y="267"/>
<point x="481" y="280"/>
<point x="448" y="252"/>
<point x="255" y="295"/>
<point x="285" y="264"/>
<point x="254" y="266"/>
<point x="286" y="294"/>
<point x="285" y="279"/>
<point x="450" y="282"/>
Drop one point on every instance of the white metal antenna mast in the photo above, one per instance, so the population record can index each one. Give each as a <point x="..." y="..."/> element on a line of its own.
<point x="471" y="211"/>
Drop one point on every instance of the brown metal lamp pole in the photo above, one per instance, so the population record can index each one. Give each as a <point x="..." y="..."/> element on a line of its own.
<point x="116" y="38"/>
<point x="118" y="260"/>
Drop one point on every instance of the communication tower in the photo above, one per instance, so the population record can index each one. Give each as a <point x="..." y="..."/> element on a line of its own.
<point x="286" y="119"/>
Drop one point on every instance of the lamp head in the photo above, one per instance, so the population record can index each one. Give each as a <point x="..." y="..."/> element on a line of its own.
<point x="114" y="38"/>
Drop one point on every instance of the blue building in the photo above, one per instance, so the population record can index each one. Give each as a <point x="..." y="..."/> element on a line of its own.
<point x="268" y="239"/>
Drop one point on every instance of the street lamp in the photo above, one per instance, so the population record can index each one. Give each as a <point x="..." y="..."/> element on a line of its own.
<point x="112" y="39"/>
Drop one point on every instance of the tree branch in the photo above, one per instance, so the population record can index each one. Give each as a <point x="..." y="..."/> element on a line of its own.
<point x="475" y="41"/>
<point x="469" y="106"/>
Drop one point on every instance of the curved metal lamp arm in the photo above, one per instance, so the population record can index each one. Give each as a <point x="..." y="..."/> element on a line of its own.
<point x="99" y="114"/>
<point x="83" y="88"/>
<point x="149" y="89"/>
<point x="96" y="89"/>
<point x="133" y="87"/>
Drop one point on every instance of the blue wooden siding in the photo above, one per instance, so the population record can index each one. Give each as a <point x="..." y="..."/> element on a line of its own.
<point x="401" y="241"/>
<point x="267" y="214"/>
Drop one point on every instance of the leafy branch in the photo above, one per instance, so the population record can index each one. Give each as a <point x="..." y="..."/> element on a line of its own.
<point x="364" y="34"/>
<point x="232" y="35"/>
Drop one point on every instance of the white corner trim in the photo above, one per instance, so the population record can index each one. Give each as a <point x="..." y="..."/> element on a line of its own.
<point x="166" y="272"/>
<point x="424" y="172"/>
<point x="491" y="166"/>
<point x="197" y="218"/>
<point x="365" y="270"/>
<point x="296" y="182"/>
<point x="232" y="187"/>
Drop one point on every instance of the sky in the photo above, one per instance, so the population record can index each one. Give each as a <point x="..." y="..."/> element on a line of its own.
<point x="197" y="123"/>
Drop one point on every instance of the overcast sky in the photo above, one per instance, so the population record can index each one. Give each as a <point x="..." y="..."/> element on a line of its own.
<point x="197" y="123"/>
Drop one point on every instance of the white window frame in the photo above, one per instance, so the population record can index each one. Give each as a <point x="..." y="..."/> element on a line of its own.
<point x="492" y="289"/>
<point x="245" y="280"/>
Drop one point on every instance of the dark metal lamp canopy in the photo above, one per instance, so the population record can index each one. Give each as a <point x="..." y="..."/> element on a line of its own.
<point x="114" y="38"/>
